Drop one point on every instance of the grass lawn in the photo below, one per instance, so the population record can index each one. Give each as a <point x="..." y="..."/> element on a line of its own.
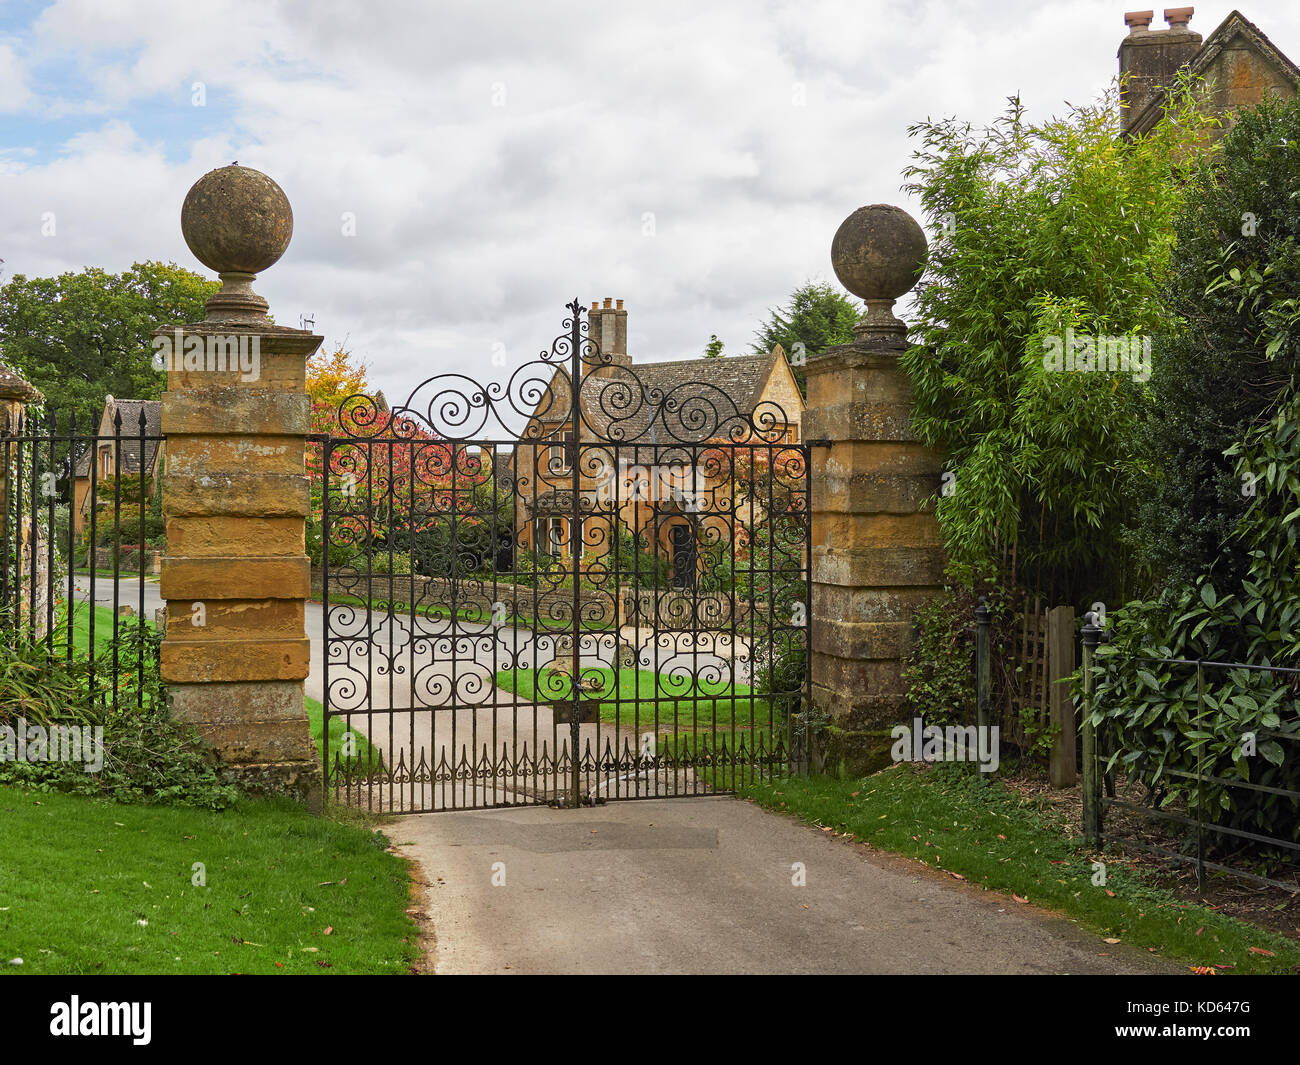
<point x="703" y="719"/>
<point x="681" y="704"/>
<point x="957" y="821"/>
<point x="89" y="886"/>
<point x="103" y="627"/>
<point x="365" y="755"/>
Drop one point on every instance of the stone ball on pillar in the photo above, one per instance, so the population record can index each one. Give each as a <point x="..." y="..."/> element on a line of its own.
<point x="238" y="222"/>
<point x="878" y="254"/>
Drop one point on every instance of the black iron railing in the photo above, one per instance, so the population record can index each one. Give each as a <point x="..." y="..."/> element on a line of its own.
<point x="1191" y="831"/>
<point x="80" y="544"/>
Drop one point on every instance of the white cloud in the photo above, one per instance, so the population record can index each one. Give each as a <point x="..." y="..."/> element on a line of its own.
<point x="14" y="93"/>
<point x="748" y="131"/>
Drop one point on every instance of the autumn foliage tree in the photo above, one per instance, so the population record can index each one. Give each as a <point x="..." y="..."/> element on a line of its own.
<point x="400" y="497"/>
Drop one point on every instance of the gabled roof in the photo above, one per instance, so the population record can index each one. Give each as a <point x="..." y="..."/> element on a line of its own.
<point x="1236" y="24"/>
<point x="683" y="401"/>
<point x="130" y="410"/>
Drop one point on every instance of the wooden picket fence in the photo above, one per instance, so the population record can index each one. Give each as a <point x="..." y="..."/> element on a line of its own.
<point x="1042" y="655"/>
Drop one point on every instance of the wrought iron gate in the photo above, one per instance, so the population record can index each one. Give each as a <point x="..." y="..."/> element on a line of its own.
<point x="611" y="603"/>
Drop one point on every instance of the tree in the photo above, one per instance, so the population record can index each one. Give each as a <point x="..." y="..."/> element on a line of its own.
<point x="1236" y="349"/>
<point x="333" y="378"/>
<point x="1045" y="233"/>
<point x="815" y="318"/>
<point x="82" y="336"/>
<point x="713" y="349"/>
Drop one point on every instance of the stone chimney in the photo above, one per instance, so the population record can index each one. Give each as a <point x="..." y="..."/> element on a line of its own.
<point x="1149" y="59"/>
<point x="609" y="330"/>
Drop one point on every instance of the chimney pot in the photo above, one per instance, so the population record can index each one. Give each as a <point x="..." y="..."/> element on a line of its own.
<point x="1179" y="17"/>
<point x="619" y="305"/>
<point x="595" y="305"/>
<point x="1139" y="21"/>
<point x="608" y="303"/>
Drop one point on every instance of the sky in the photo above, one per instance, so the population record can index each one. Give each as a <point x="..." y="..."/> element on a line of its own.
<point x="498" y="159"/>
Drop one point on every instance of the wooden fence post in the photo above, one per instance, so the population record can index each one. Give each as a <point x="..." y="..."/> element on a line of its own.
<point x="983" y="667"/>
<point x="1091" y="766"/>
<point x="1060" y="665"/>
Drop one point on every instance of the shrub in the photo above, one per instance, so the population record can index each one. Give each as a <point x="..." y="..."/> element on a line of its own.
<point x="148" y="756"/>
<point x="1148" y="713"/>
<point x="1236" y="348"/>
<point x="1039" y="229"/>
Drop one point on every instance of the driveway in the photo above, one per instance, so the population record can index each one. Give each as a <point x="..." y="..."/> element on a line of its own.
<point x="704" y="885"/>
<point x="699" y="885"/>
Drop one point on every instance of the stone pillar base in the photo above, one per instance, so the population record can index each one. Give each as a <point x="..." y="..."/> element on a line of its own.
<point x="299" y="781"/>
<point x="259" y="733"/>
<point x="848" y="754"/>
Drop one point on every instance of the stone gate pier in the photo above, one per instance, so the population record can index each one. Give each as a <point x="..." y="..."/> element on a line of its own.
<point x="235" y="498"/>
<point x="877" y="553"/>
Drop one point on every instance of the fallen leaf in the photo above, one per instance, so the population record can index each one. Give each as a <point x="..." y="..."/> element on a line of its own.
<point x="1019" y="899"/>
<point x="329" y="929"/>
<point x="1110" y="893"/>
<point x="955" y="876"/>
<point x="1110" y="940"/>
<point x="1261" y="950"/>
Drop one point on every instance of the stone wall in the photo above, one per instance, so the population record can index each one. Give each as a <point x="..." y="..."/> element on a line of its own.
<point x="671" y="609"/>
<point x="128" y="560"/>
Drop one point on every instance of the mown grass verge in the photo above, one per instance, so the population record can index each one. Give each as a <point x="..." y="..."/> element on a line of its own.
<point x="92" y="886"/>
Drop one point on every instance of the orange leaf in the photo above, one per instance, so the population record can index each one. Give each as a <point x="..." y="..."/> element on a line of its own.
<point x="1261" y="950"/>
<point x="1019" y="899"/>
<point x="329" y="929"/>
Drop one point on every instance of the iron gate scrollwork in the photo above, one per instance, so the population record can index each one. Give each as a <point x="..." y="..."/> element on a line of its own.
<point x="609" y="603"/>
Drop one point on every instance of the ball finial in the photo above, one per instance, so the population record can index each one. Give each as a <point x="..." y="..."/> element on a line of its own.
<point x="878" y="254"/>
<point x="238" y="222"/>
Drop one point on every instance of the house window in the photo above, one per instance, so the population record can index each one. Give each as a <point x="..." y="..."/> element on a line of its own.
<point x="551" y="537"/>
<point x="548" y="536"/>
<point x="561" y="457"/>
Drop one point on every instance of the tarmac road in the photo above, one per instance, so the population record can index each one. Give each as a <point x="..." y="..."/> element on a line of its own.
<point x="704" y="885"/>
